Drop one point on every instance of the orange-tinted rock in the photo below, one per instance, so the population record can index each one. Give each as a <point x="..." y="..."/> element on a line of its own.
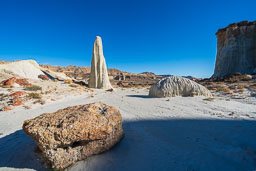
<point x="43" y="77"/>
<point x="18" y="93"/>
<point x="23" y="82"/>
<point x="6" y="108"/>
<point x="75" y="133"/>
<point x="9" y="82"/>
<point x="16" y="101"/>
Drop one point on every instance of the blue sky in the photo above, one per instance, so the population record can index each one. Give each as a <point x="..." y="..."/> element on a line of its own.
<point x="162" y="36"/>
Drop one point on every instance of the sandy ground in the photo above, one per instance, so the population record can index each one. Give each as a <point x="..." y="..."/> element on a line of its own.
<point x="179" y="133"/>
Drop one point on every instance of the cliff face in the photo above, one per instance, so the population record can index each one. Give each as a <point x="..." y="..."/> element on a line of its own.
<point x="236" y="49"/>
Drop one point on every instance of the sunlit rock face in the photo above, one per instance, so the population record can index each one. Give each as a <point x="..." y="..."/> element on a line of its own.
<point x="177" y="86"/>
<point x="99" y="73"/>
<point x="236" y="49"/>
<point x="75" y="133"/>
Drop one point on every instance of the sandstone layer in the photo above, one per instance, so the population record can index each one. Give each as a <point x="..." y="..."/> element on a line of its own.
<point x="99" y="73"/>
<point x="177" y="86"/>
<point x="236" y="49"/>
<point x="75" y="133"/>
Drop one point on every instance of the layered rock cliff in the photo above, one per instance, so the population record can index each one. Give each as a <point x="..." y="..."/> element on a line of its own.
<point x="236" y="49"/>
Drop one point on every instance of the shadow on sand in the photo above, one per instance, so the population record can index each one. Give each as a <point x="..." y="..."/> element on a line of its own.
<point x="140" y="96"/>
<point x="178" y="144"/>
<point x="17" y="150"/>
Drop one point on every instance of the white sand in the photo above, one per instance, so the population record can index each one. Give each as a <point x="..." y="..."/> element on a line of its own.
<point x="179" y="133"/>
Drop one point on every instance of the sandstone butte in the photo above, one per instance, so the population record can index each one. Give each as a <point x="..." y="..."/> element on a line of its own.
<point x="75" y="133"/>
<point x="236" y="49"/>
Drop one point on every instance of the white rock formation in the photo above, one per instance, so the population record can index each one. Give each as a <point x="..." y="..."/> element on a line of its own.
<point x="99" y="74"/>
<point x="26" y="69"/>
<point x="177" y="86"/>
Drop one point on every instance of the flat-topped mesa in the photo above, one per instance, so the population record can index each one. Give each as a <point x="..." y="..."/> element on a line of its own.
<point x="236" y="49"/>
<point x="99" y="74"/>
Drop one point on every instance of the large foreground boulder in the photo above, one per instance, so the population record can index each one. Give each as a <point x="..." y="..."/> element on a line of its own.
<point x="99" y="73"/>
<point x="75" y="133"/>
<point x="177" y="86"/>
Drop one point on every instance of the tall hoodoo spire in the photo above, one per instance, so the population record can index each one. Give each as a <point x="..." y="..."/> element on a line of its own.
<point x="99" y="73"/>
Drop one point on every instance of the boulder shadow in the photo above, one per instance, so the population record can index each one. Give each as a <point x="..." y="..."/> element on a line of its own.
<point x="140" y="96"/>
<point x="48" y="75"/>
<point x="17" y="150"/>
<point x="179" y="144"/>
<point x="173" y="144"/>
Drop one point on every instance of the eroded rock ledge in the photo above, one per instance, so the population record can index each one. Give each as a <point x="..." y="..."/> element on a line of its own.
<point x="75" y="133"/>
<point x="236" y="49"/>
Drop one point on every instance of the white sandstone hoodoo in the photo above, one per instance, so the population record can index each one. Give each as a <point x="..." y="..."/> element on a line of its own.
<point x="99" y="74"/>
<point x="177" y="86"/>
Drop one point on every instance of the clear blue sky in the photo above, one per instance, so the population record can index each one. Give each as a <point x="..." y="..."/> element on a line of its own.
<point x="162" y="36"/>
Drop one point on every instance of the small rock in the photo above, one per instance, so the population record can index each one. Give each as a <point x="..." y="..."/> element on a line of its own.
<point x="27" y="107"/>
<point x="16" y="101"/>
<point x="246" y="77"/>
<point x="43" y="77"/>
<point x="18" y="93"/>
<point x="23" y="82"/>
<point x="6" y="108"/>
<point x="110" y="90"/>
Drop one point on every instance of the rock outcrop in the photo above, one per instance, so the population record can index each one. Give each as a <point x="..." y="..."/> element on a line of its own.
<point x="12" y="81"/>
<point x="24" y="69"/>
<point x="99" y="74"/>
<point x="236" y="49"/>
<point x="75" y="133"/>
<point x="28" y="69"/>
<point x="177" y="86"/>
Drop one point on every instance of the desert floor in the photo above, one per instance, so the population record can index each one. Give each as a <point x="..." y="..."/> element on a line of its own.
<point x="179" y="133"/>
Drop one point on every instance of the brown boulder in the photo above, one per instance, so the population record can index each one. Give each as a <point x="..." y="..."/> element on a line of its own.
<point x="75" y="133"/>
<point x="43" y="77"/>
